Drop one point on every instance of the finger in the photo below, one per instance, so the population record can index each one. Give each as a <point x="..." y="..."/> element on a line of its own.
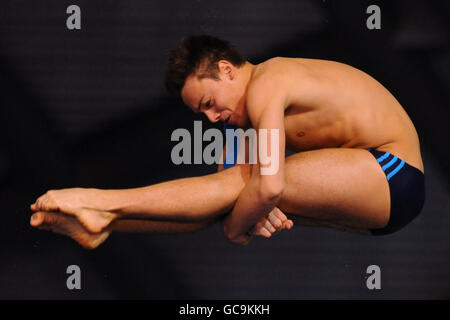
<point x="268" y="225"/>
<point x="280" y="215"/>
<point x="261" y="231"/>
<point x="275" y="222"/>
<point x="261" y="224"/>
<point x="256" y="228"/>
<point x="289" y="224"/>
<point x="265" y="233"/>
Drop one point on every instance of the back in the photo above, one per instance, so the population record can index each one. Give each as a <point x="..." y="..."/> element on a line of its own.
<point x="330" y="104"/>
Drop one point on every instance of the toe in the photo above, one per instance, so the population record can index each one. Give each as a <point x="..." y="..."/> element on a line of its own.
<point x="50" y="218"/>
<point x="36" y="219"/>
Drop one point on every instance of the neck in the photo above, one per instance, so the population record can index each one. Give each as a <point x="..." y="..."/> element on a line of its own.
<point x="247" y="73"/>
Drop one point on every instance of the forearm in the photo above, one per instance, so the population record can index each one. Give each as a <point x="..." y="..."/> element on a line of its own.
<point x="249" y="209"/>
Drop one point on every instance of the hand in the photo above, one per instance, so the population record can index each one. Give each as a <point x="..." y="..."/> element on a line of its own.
<point x="243" y="239"/>
<point x="275" y="221"/>
<point x="78" y="202"/>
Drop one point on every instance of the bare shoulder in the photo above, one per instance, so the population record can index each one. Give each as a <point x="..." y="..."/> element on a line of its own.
<point x="277" y="68"/>
<point x="273" y="82"/>
<point x="270" y="79"/>
<point x="265" y="90"/>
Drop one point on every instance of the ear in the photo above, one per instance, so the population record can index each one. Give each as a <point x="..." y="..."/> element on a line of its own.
<point x="227" y="69"/>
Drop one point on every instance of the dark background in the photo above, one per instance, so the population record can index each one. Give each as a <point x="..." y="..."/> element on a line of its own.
<point x="88" y="108"/>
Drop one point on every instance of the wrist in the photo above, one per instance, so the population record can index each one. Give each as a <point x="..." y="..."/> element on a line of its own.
<point x="227" y="231"/>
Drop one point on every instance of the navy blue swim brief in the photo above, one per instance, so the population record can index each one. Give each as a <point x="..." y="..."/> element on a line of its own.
<point x="407" y="191"/>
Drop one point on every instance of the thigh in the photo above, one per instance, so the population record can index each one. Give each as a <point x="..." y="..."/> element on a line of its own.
<point x="339" y="185"/>
<point x="311" y="222"/>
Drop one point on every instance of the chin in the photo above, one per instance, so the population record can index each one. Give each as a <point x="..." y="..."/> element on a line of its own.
<point x="244" y="122"/>
<point x="240" y="124"/>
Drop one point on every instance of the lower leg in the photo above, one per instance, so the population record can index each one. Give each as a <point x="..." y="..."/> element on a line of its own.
<point x="190" y="199"/>
<point x="195" y="202"/>
<point x="69" y="226"/>
<point x="182" y="200"/>
<point x="156" y="226"/>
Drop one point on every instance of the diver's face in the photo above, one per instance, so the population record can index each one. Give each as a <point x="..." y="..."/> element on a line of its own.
<point x="220" y="100"/>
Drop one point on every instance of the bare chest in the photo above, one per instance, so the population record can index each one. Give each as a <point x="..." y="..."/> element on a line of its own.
<point x="312" y="130"/>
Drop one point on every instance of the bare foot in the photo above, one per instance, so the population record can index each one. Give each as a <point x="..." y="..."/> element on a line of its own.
<point x="68" y="226"/>
<point x="76" y="202"/>
<point x="95" y="221"/>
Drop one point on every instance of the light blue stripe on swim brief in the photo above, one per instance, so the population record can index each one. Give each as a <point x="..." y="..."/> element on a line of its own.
<point x="393" y="172"/>
<point x="384" y="156"/>
<point x="390" y="163"/>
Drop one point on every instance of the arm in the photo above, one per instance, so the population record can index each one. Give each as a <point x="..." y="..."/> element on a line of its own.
<point x="276" y="219"/>
<point x="263" y="191"/>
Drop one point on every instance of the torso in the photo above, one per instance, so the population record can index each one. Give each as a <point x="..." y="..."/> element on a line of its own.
<point x="330" y="104"/>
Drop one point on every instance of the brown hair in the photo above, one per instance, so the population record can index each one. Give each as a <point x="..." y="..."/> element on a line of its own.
<point x="194" y="52"/>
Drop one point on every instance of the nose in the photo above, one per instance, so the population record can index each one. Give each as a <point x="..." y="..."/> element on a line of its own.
<point x="213" y="116"/>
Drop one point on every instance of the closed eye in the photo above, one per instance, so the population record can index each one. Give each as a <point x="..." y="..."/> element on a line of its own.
<point x="207" y="105"/>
